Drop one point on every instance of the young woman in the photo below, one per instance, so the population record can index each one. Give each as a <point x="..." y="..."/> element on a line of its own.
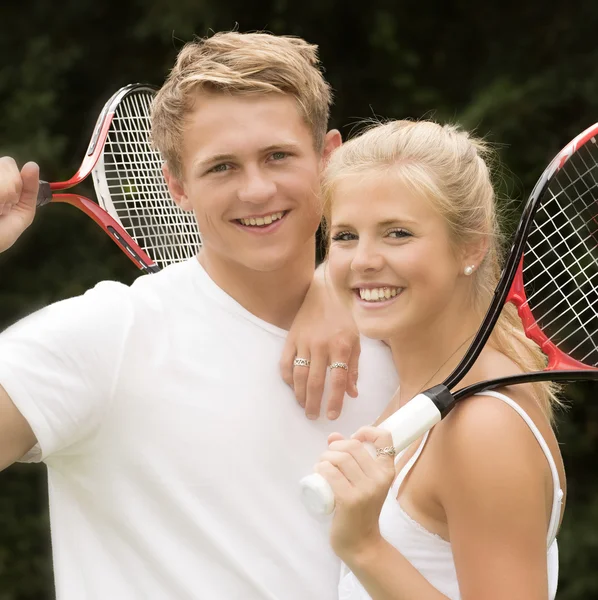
<point x="471" y="509"/>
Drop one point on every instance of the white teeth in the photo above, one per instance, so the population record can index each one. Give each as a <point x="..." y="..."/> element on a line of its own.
<point x="261" y="221"/>
<point x="378" y="294"/>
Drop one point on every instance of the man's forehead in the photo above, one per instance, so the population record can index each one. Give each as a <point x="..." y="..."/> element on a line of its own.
<point x="219" y="132"/>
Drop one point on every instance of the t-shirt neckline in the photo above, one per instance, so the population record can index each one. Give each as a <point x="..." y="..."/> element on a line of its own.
<point x="210" y="287"/>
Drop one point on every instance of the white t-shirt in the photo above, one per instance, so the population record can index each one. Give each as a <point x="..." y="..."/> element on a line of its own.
<point x="173" y="447"/>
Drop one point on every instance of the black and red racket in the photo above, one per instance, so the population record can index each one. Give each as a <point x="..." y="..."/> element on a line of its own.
<point x="551" y="276"/>
<point x="134" y="206"/>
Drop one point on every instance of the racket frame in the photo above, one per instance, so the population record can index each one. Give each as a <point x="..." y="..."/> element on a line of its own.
<point x="505" y="290"/>
<point x="108" y="222"/>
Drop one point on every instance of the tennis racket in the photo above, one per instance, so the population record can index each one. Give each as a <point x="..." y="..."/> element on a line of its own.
<point x="551" y="276"/>
<point x="134" y="206"/>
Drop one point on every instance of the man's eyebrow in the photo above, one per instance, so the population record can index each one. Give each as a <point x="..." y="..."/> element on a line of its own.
<point x="280" y="146"/>
<point x="210" y="160"/>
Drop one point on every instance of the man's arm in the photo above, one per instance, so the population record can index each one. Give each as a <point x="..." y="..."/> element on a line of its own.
<point x="16" y="437"/>
<point x="18" y="195"/>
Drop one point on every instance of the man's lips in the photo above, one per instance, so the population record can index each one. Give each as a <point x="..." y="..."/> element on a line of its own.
<point x="265" y="223"/>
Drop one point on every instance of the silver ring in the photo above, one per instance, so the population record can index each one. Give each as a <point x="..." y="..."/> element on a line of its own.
<point x="387" y="451"/>
<point x="339" y="365"/>
<point x="301" y="362"/>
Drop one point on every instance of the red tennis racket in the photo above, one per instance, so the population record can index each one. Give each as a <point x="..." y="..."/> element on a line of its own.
<point x="551" y="276"/>
<point x="134" y="206"/>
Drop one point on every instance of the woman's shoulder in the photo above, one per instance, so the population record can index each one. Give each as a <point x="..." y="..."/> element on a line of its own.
<point x="487" y="453"/>
<point x="486" y="430"/>
<point x="488" y="411"/>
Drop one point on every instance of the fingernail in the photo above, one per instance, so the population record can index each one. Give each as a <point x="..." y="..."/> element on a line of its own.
<point x="332" y="414"/>
<point x="312" y="416"/>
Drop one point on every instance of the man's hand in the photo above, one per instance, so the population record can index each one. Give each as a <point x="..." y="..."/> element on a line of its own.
<point x="323" y="333"/>
<point x="18" y="198"/>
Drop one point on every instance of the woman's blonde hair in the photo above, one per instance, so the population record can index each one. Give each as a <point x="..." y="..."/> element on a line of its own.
<point x="450" y="168"/>
<point x="239" y="64"/>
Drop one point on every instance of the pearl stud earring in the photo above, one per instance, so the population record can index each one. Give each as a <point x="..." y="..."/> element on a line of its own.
<point x="469" y="269"/>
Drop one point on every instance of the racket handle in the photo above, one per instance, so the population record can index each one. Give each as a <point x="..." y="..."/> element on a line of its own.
<point x="407" y="424"/>
<point x="44" y="194"/>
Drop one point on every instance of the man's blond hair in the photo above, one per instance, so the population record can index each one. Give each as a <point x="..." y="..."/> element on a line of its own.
<point x="239" y="63"/>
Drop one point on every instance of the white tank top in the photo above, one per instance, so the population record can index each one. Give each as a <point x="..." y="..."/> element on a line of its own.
<point x="431" y="555"/>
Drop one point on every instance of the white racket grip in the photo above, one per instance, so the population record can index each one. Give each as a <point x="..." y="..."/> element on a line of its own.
<point x="412" y="420"/>
<point x="407" y="424"/>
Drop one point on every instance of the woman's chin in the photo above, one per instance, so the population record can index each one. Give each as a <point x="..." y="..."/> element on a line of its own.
<point x="376" y="331"/>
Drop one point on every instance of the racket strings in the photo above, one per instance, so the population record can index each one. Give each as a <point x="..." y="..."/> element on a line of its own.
<point x="561" y="258"/>
<point x="132" y="170"/>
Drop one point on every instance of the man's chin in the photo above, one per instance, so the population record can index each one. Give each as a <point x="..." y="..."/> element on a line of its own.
<point x="268" y="262"/>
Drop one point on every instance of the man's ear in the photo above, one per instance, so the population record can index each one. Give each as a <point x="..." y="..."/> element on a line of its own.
<point x="332" y="141"/>
<point x="176" y="188"/>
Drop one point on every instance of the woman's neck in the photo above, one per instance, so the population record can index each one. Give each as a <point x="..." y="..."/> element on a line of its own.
<point x="425" y="358"/>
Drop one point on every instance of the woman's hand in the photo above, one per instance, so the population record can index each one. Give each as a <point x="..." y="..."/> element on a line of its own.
<point x="323" y="333"/>
<point x="360" y="483"/>
<point x="18" y="198"/>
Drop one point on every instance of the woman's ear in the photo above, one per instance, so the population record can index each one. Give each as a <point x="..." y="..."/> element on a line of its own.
<point x="474" y="254"/>
<point x="176" y="189"/>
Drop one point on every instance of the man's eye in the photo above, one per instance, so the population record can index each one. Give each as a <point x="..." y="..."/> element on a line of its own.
<point x="219" y="168"/>
<point x="343" y="236"/>
<point x="279" y="155"/>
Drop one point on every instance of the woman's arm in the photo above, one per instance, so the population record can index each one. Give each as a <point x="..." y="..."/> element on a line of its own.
<point x="360" y="484"/>
<point x="495" y="495"/>
<point x="493" y="489"/>
<point x="387" y="575"/>
<point x="323" y="332"/>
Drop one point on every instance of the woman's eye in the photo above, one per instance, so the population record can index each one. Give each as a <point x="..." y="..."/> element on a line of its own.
<point x="343" y="236"/>
<point x="398" y="233"/>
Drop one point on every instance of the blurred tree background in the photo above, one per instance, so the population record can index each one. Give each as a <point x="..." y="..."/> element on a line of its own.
<point x="522" y="74"/>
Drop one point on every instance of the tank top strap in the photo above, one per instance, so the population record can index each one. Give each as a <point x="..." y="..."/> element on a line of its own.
<point x="557" y="494"/>
<point x="408" y="465"/>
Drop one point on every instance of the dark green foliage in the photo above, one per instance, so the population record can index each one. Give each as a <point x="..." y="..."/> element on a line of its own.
<point x="524" y="75"/>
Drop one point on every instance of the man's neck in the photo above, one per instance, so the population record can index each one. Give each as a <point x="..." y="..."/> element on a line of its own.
<point x="273" y="296"/>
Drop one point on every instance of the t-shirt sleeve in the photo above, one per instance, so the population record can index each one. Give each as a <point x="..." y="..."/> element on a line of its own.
<point x="60" y="365"/>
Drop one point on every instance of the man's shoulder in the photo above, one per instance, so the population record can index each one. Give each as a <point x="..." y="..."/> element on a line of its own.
<point x="160" y="290"/>
<point x="376" y="366"/>
<point x="375" y="349"/>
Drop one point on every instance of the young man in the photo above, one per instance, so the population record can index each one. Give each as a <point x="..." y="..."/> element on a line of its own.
<point x="173" y="446"/>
